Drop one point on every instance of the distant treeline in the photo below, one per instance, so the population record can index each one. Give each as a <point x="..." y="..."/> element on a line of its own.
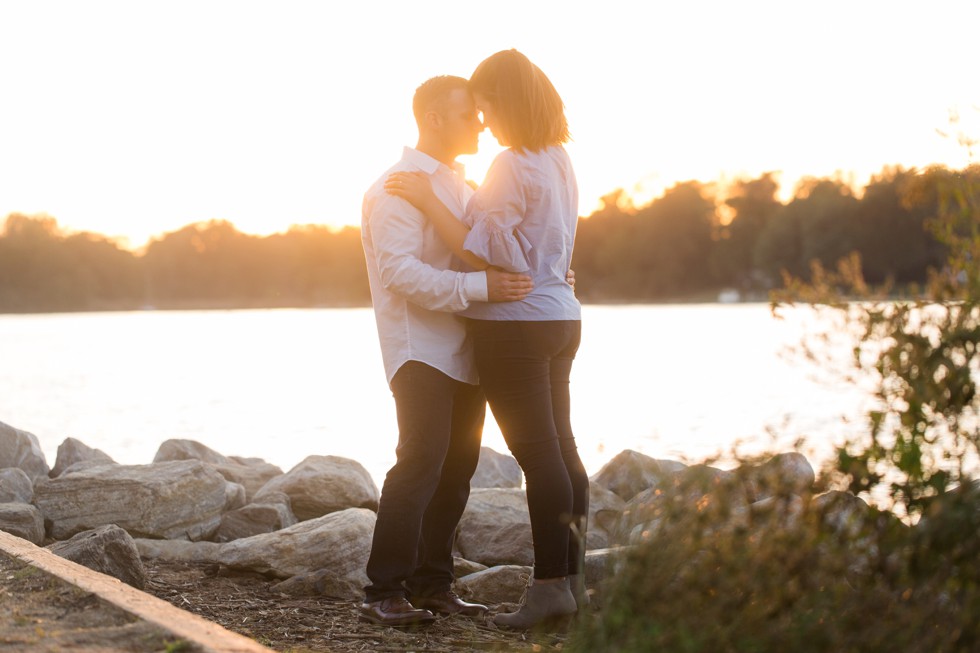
<point x="692" y="242"/>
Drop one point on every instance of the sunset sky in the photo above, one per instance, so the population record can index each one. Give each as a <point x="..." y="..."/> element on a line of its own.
<point x="135" y="118"/>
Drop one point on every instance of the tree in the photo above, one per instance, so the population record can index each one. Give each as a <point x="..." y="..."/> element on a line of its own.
<point x="41" y="268"/>
<point x="892" y="235"/>
<point x="753" y="203"/>
<point x="818" y="224"/>
<point x="205" y="261"/>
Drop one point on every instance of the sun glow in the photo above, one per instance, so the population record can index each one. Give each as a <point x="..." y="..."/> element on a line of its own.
<point x="135" y="119"/>
<point x="478" y="164"/>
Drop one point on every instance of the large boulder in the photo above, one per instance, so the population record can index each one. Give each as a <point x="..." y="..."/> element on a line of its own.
<point x="178" y="550"/>
<point x="234" y="496"/>
<point x="463" y="567"/>
<point x="179" y="449"/>
<point x="251" y="473"/>
<point x="697" y="489"/>
<point x="600" y="566"/>
<point x="496" y="470"/>
<point x="327" y="555"/>
<point x="109" y="550"/>
<point x="254" y="519"/>
<point x="323" y="484"/>
<point x="496" y="585"/>
<point x="339" y="543"/>
<point x="631" y="472"/>
<point x="22" y="520"/>
<point x="783" y="474"/>
<point x="496" y="528"/>
<point x="171" y="500"/>
<point x="72" y="452"/>
<point x="848" y="524"/>
<point x="22" y="450"/>
<point x="15" y="486"/>
<point x="605" y="510"/>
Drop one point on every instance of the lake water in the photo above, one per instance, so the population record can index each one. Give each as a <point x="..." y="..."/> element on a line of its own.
<point x="671" y="381"/>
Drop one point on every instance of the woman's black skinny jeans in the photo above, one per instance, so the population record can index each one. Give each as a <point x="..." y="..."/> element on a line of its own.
<point x="524" y="370"/>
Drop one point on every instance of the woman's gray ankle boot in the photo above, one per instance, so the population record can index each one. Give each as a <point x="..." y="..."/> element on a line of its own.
<point x="547" y="605"/>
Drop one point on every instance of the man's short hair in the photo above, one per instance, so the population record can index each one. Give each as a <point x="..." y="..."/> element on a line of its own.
<point x="432" y="93"/>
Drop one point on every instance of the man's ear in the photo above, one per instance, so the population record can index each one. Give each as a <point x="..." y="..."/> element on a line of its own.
<point x="433" y="119"/>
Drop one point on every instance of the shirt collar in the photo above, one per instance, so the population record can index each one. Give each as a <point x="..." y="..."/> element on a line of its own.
<point x="429" y="165"/>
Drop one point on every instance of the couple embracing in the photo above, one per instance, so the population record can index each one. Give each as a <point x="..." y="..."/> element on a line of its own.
<point x="474" y="302"/>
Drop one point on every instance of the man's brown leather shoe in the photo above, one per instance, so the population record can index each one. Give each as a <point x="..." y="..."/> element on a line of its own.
<point x="449" y="603"/>
<point x="396" y="612"/>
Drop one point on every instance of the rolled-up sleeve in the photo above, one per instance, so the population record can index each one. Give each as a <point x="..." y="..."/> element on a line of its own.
<point x="396" y="230"/>
<point x="494" y="215"/>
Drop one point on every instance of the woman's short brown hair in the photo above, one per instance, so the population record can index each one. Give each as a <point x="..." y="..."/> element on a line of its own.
<point x="527" y="106"/>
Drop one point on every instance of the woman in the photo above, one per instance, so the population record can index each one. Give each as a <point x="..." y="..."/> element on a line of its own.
<point x="523" y="219"/>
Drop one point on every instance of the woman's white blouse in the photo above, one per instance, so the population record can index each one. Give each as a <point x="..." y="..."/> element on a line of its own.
<point x="523" y="219"/>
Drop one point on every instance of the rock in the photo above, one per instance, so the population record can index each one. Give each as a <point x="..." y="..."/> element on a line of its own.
<point x="251" y="473"/>
<point x="22" y="450"/>
<point x="843" y="514"/>
<point x="254" y="519"/>
<point x="109" y="550"/>
<point x="324" y="582"/>
<point x="850" y="520"/>
<point x="641" y="516"/>
<point x="243" y="460"/>
<point x="328" y="554"/>
<point x="850" y="525"/>
<point x="177" y="449"/>
<point x="496" y="585"/>
<point x="339" y="542"/>
<point x="630" y="472"/>
<point x="82" y="465"/>
<point x="698" y="489"/>
<point x="323" y="484"/>
<point x="171" y="500"/>
<point x="72" y="451"/>
<point x="15" y="486"/>
<point x="495" y="528"/>
<point x="783" y="474"/>
<point x="22" y="520"/>
<point x="641" y="533"/>
<point x="463" y="567"/>
<point x="234" y="496"/>
<point x="773" y="512"/>
<point x="273" y="497"/>
<point x="178" y="550"/>
<point x="496" y="470"/>
<point x="605" y="511"/>
<point x="600" y="565"/>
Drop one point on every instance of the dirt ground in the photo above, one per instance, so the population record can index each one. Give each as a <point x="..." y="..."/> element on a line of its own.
<point x="42" y="613"/>
<point x="244" y="603"/>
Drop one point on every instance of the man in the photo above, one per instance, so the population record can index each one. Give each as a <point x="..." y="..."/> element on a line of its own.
<point x="415" y="289"/>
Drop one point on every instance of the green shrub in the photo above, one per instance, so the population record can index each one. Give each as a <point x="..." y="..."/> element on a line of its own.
<point x="716" y="573"/>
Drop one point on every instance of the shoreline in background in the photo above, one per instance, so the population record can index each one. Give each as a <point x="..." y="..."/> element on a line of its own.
<point x="668" y="380"/>
<point x="721" y="296"/>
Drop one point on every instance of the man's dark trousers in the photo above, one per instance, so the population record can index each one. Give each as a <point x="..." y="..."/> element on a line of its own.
<point x="440" y="426"/>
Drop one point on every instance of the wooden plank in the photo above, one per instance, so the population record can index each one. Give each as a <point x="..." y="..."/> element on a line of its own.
<point x="185" y="625"/>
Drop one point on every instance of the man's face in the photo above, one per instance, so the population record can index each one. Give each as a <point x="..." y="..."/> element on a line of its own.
<point x="461" y="124"/>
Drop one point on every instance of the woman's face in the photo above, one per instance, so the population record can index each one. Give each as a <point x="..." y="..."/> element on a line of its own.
<point x="485" y="107"/>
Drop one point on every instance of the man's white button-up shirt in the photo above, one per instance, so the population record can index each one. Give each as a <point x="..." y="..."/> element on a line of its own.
<point x="416" y="285"/>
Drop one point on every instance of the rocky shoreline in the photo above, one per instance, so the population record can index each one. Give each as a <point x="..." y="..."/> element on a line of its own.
<point x="310" y="528"/>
